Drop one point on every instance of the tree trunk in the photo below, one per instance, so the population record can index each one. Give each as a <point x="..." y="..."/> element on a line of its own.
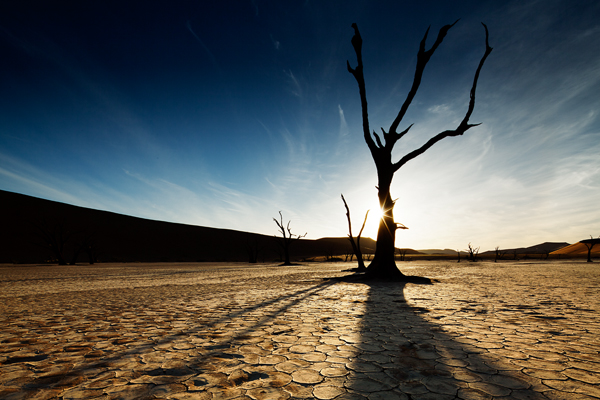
<point x="287" y="255"/>
<point x="384" y="264"/>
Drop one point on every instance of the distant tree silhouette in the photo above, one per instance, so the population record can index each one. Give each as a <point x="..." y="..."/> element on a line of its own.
<point x="91" y="250"/>
<point x="253" y="248"/>
<point x="55" y="237"/>
<point x="85" y="242"/>
<point x="473" y="253"/>
<point x="515" y="254"/>
<point x="349" y="254"/>
<point x="402" y="253"/>
<point x="356" y="245"/>
<point x="499" y="254"/>
<point x="546" y="253"/>
<point x="590" y="243"/>
<point x="63" y="239"/>
<point x="287" y="238"/>
<point x="383" y="264"/>
<point x="329" y="252"/>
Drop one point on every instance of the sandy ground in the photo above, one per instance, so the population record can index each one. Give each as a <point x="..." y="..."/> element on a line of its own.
<point x="202" y="331"/>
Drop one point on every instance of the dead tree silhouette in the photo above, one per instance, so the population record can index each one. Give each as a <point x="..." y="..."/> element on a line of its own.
<point x="590" y="243"/>
<point x="402" y="254"/>
<point x="496" y="253"/>
<point x="356" y="245"/>
<point x="383" y="264"/>
<point x="253" y="248"/>
<point x="65" y="240"/>
<point x="54" y="236"/>
<point x="287" y="238"/>
<point x="85" y="242"/>
<point x="473" y="253"/>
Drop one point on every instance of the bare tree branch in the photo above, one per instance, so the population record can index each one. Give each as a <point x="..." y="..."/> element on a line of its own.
<point x="423" y="58"/>
<point x="363" y="225"/>
<point x="360" y="79"/>
<point x="464" y="124"/>
<point x="355" y="245"/>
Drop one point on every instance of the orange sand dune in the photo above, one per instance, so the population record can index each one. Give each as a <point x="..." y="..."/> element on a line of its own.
<point x="576" y="249"/>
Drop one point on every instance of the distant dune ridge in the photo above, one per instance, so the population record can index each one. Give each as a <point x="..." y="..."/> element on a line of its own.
<point x="542" y="248"/>
<point x="30" y="224"/>
<point x="121" y="238"/>
<point x="448" y="252"/>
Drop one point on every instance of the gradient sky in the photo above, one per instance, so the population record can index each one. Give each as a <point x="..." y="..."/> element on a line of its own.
<point x="223" y="113"/>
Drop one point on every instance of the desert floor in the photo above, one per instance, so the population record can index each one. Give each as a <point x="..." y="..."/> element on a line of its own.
<point x="220" y="331"/>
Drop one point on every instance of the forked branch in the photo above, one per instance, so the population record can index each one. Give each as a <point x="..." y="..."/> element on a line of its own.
<point x="391" y="136"/>
<point x="423" y="57"/>
<point x="464" y="124"/>
<point x="290" y="236"/>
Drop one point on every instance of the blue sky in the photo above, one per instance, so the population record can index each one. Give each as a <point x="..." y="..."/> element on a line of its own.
<point x="221" y="114"/>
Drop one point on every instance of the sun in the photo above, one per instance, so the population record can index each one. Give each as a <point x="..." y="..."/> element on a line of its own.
<point x="376" y="214"/>
<point x="372" y="225"/>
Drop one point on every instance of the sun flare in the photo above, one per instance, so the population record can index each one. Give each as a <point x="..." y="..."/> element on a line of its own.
<point x="376" y="214"/>
<point x="372" y="225"/>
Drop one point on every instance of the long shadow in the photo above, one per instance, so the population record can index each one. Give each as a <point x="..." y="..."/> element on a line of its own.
<point x="213" y="343"/>
<point x="404" y="353"/>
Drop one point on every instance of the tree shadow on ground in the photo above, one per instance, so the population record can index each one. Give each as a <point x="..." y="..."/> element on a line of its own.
<point x="202" y="355"/>
<point x="404" y="352"/>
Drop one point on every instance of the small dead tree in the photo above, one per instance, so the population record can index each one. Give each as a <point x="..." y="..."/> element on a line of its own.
<point x="499" y="254"/>
<point x="287" y="238"/>
<point x="356" y="245"/>
<point x="253" y="249"/>
<point x="546" y="253"/>
<point x="402" y="254"/>
<point x="349" y="254"/>
<point x="54" y="236"/>
<point x="85" y="242"/>
<point x="91" y="250"/>
<point x="329" y="252"/>
<point x="65" y="240"/>
<point x="590" y="243"/>
<point x="473" y="253"/>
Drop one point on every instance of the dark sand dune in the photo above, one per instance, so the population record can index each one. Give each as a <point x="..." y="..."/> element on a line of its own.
<point x="121" y="238"/>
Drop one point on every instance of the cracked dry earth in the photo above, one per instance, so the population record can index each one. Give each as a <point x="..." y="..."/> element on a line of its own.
<point x="234" y="331"/>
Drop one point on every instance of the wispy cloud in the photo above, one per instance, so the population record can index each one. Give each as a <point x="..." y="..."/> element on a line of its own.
<point x="276" y="43"/>
<point x="343" y="124"/>
<point x="209" y="54"/>
<point x="21" y="183"/>
<point x="439" y="109"/>
<point x="22" y="177"/>
<point x="294" y="84"/>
